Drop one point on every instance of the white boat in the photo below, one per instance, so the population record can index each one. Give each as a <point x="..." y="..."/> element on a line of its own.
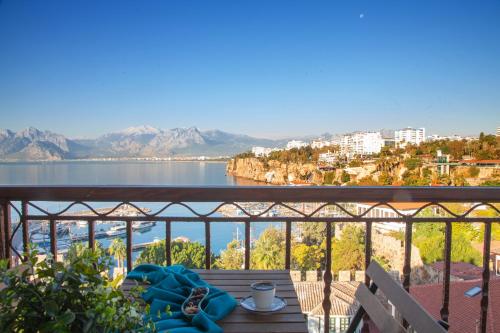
<point x="117" y="230"/>
<point x="138" y="225"/>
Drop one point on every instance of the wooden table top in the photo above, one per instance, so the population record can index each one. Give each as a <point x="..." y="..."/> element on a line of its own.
<point x="237" y="283"/>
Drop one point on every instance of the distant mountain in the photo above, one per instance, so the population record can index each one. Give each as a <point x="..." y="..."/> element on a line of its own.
<point x="142" y="141"/>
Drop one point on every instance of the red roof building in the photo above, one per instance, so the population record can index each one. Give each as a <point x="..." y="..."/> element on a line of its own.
<point x="464" y="311"/>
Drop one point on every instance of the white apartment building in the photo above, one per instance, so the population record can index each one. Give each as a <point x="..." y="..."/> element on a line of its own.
<point x="454" y="137"/>
<point x="361" y="143"/>
<point x="407" y="135"/>
<point x="262" y="151"/>
<point x="328" y="158"/>
<point x="317" y="144"/>
<point x="296" y="144"/>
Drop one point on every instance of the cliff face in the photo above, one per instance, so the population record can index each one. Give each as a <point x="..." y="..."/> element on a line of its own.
<point x="274" y="172"/>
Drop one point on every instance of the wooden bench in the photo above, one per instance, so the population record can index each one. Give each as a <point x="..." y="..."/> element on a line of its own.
<point x="419" y="319"/>
<point x="237" y="283"/>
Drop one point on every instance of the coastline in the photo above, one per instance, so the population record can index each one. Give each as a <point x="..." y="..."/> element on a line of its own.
<point x="112" y="160"/>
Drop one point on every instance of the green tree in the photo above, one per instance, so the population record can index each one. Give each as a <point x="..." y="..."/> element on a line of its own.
<point x="232" y="257"/>
<point x="429" y="238"/>
<point x="118" y="250"/>
<point x="348" y="252"/>
<point x="306" y="257"/>
<point x="413" y="163"/>
<point x="312" y="233"/>
<point x="189" y="254"/>
<point x="80" y="249"/>
<point x="345" y="177"/>
<point x="269" y="250"/>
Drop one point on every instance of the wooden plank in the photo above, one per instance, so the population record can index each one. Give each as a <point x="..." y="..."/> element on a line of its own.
<point x="264" y="327"/>
<point x="246" y="277"/>
<point x="244" y="282"/>
<point x="239" y="273"/>
<point x="377" y="312"/>
<point x="247" y="289"/>
<point x="288" y="309"/>
<point x="415" y="314"/>
<point x="258" y="318"/>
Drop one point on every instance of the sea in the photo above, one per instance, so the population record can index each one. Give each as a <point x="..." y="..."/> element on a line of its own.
<point x="176" y="173"/>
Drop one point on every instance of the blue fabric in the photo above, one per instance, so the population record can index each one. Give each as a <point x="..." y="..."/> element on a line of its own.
<point x="170" y="286"/>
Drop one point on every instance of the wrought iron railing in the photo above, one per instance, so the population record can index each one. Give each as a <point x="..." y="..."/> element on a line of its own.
<point x="23" y="201"/>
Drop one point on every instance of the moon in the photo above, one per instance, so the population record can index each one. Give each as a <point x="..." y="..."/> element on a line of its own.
<point x="361" y="15"/>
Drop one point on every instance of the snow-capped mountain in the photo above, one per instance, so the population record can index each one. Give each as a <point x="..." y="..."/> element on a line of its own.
<point x="141" y="141"/>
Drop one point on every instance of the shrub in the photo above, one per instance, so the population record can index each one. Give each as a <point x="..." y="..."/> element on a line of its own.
<point x="75" y="296"/>
<point x="473" y="171"/>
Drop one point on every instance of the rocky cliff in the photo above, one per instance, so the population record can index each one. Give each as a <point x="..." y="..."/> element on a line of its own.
<point x="274" y="172"/>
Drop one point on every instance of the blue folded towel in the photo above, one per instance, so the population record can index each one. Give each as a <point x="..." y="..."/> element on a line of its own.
<point x="170" y="286"/>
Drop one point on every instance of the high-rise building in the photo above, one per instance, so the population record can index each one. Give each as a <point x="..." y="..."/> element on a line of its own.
<point x="361" y="143"/>
<point x="414" y="136"/>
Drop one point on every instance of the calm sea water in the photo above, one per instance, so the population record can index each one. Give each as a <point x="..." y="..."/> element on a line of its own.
<point x="135" y="173"/>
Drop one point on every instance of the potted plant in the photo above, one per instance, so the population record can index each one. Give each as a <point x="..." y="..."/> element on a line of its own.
<point x="71" y="296"/>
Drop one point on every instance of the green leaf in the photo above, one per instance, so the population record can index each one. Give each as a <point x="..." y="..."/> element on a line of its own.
<point x="67" y="318"/>
<point x="51" y="308"/>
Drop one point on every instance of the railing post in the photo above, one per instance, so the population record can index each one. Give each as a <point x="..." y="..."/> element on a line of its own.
<point x="7" y="225"/>
<point x="288" y="243"/>
<point x="486" y="276"/>
<point x="207" y="245"/>
<point x="53" y="238"/>
<point x="24" y="224"/>
<point x="407" y="261"/>
<point x="446" y="282"/>
<point x="247" y="244"/>
<point x="368" y="259"/>
<point x="168" y="242"/>
<point x="2" y="232"/>
<point x="91" y="227"/>
<point x="327" y="278"/>
<point x="129" y="246"/>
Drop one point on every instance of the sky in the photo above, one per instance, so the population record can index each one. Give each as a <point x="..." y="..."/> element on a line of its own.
<point x="264" y="68"/>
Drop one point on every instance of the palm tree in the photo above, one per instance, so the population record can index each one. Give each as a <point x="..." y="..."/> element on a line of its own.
<point x="118" y="250"/>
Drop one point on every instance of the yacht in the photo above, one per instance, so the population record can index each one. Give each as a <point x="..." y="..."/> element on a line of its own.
<point x="117" y="230"/>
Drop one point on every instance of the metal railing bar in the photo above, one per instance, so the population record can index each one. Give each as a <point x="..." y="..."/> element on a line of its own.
<point x="327" y="279"/>
<point x="447" y="272"/>
<point x="288" y="243"/>
<point x="407" y="261"/>
<point x="368" y="259"/>
<point x="129" y="245"/>
<point x="7" y="227"/>
<point x="486" y="278"/>
<point x="250" y="193"/>
<point x="53" y="238"/>
<point x="168" y="241"/>
<point x="24" y="223"/>
<point x="91" y="227"/>
<point x="207" y="245"/>
<point x="247" y="244"/>
<point x="269" y="219"/>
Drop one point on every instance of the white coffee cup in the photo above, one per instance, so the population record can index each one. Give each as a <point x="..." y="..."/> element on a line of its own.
<point x="263" y="293"/>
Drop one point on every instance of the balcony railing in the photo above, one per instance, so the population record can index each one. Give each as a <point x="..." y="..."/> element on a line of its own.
<point x="23" y="201"/>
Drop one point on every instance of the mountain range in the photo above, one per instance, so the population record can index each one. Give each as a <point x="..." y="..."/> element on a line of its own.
<point x="143" y="141"/>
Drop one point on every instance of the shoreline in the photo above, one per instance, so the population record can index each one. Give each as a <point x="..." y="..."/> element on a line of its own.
<point x="112" y="160"/>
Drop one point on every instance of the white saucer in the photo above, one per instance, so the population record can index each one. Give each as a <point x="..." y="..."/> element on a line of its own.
<point x="248" y="304"/>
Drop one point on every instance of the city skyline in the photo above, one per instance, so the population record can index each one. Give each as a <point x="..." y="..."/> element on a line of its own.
<point x="268" y="70"/>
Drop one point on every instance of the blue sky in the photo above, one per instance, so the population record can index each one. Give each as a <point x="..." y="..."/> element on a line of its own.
<point x="263" y="68"/>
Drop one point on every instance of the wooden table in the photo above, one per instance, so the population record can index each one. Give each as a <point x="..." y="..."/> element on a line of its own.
<point x="237" y="283"/>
